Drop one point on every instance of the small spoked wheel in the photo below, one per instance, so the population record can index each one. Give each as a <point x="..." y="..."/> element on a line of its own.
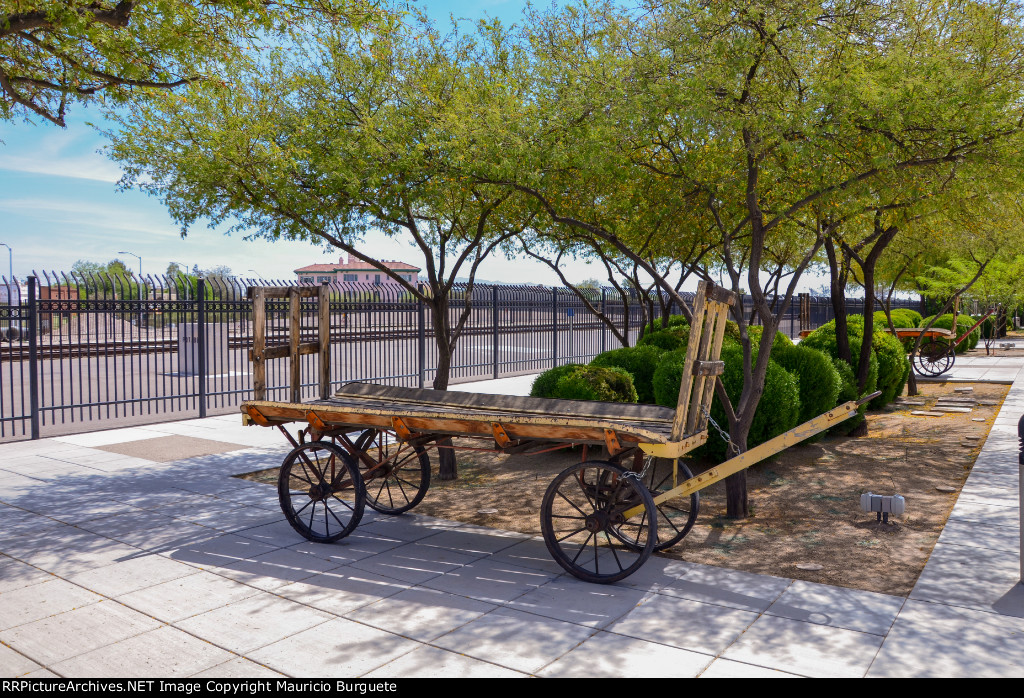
<point x="934" y="358"/>
<point x="676" y="515"/>
<point x="599" y="522"/>
<point x="321" y="492"/>
<point x="396" y="475"/>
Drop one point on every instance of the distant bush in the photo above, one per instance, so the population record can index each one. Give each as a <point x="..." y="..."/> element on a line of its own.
<point x="963" y="323"/>
<point x="640" y="362"/>
<point x="667" y="340"/>
<point x="820" y="381"/>
<point x="824" y="339"/>
<point x="544" y="384"/>
<point x="777" y="411"/>
<point x="588" y="383"/>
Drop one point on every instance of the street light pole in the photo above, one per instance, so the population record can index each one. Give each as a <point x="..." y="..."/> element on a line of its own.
<point x="138" y="258"/>
<point x="10" y="260"/>
<point x="187" y="284"/>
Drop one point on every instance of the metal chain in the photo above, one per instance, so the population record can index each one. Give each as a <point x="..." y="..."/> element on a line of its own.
<point x="729" y="445"/>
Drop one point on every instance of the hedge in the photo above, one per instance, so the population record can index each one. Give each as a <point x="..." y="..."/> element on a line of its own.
<point x="963" y="323"/>
<point x="640" y="362"/>
<point x="820" y="381"/>
<point x="586" y="383"/>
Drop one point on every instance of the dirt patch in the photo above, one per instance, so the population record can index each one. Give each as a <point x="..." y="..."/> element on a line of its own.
<point x="804" y="503"/>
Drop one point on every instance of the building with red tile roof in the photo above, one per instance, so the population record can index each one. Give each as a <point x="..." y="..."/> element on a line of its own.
<point x="356" y="271"/>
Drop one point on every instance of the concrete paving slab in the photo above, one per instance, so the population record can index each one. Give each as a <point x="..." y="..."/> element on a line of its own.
<point x="726" y="587"/>
<point x="532" y="554"/>
<point x="474" y="539"/>
<point x="276" y="569"/>
<point x="238" y="668"/>
<point x="32" y="603"/>
<point x="805" y="648"/>
<point x="415" y="563"/>
<point x="728" y="669"/>
<point x="606" y="655"/>
<point x="69" y="634"/>
<point x="421" y="614"/>
<point x="489" y="580"/>
<point x="220" y="551"/>
<point x="966" y="576"/>
<point x="66" y="558"/>
<point x="699" y="627"/>
<point x="936" y="640"/>
<point x="164" y="449"/>
<point x="15" y="574"/>
<point x="278" y="533"/>
<point x="354" y="546"/>
<point x="93" y="439"/>
<point x="16" y="665"/>
<point x="342" y="590"/>
<point x="852" y="609"/>
<point x="120" y="578"/>
<point x="979" y="535"/>
<point x="339" y="648"/>
<point x="514" y="639"/>
<point x="575" y="601"/>
<point x="187" y="596"/>
<point x="166" y="652"/>
<point x="253" y="622"/>
<point x="433" y="663"/>
<point x="986" y="512"/>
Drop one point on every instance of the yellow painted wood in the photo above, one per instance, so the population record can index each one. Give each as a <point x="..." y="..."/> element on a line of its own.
<point x="756" y="454"/>
<point x="674" y="449"/>
<point x="683" y="402"/>
<point x="721" y="318"/>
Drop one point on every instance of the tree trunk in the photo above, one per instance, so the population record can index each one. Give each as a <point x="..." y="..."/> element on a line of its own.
<point x="837" y="284"/>
<point x="447" y="464"/>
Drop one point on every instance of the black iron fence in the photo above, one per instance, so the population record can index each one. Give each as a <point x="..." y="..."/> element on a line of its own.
<point x="79" y="351"/>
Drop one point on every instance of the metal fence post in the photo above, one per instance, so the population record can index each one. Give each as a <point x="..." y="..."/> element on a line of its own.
<point x="604" y="314"/>
<point x="201" y="335"/>
<point x="33" y="356"/>
<point x="494" y="316"/>
<point x="421" y="339"/>
<point x="554" y="327"/>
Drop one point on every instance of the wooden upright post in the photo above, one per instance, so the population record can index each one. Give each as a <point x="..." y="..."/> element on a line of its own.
<point x="324" y="300"/>
<point x="259" y="343"/>
<point x="295" y="329"/>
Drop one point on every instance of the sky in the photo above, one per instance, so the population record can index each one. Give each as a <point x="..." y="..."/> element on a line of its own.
<point x="60" y="203"/>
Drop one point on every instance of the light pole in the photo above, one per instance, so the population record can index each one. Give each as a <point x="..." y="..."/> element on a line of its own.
<point x="187" y="284"/>
<point x="10" y="279"/>
<point x="257" y="274"/>
<point x="124" y="252"/>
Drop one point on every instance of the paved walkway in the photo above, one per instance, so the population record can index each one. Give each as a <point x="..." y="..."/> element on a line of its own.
<point x="132" y="552"/>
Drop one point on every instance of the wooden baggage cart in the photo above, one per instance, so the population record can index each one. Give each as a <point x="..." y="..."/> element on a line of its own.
<point x="601" y="518"/>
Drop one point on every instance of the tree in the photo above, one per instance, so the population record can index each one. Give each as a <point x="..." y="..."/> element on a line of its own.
<point x="351" y="131"/>
<point x="57" y="52"/>
<point x="774" y="124"/>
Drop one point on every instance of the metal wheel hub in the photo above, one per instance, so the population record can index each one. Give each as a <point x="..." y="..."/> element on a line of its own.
<point x="596" y="522"/>
<point x="320" y="492"/>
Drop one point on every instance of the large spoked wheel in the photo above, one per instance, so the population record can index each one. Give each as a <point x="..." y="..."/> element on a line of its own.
<point x="396" y="475"/>
<point x="934" y="358"/>
<point x="598" y="521"/>
<point x="676" y="515"/>
<point x="321" y="492"/>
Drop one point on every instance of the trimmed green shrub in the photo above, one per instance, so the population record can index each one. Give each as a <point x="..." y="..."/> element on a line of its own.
<point x="901" y="317"/>
<point x="893" y="368"/>
<point x="640" y="362"/>
<point x="963" y="323"/>
<point x="820" y="381"/>
<point x="824" y="339"/>
<point x="667" y="340"/>
<point x="586" y="383"/>
<point x="673" y="321"/>
<point x="777" y="411"/>
<point x="544" y="384"/>
<point x="732" y="331"/>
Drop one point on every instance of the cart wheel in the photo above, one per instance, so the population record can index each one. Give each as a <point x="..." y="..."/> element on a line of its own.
<point x="934" y="358"/>
<point x="676" y="515"/>
<point x="585" y="528"/>
<point x="321" y="492"/>
<point x="399" y="476"/>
